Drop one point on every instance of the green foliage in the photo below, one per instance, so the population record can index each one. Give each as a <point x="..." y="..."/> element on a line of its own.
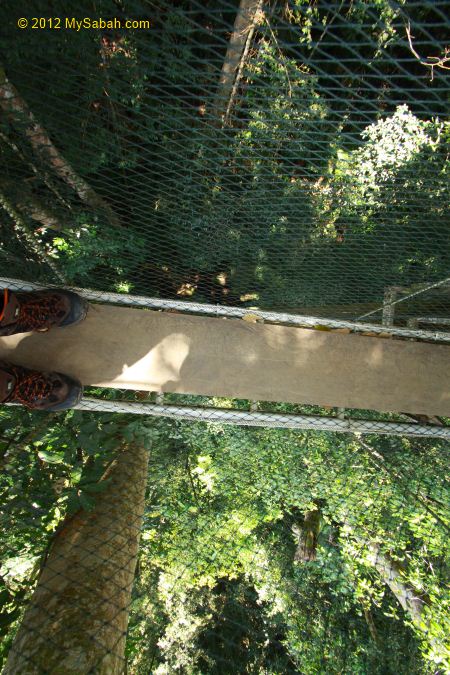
<point x="326" y="184"/>
<point x="220" y="518"/>
<point x="218" y="582"/>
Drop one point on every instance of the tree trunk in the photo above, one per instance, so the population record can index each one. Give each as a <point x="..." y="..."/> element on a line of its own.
<point x="17" y="110"/>
<point x="20" y="194"/>
<point x="371" y="624"/>
<point x="308" y="533"/>
<point x="77" y="619"/>
<point x="237" y="50"/>
<point x="407" y="597"/>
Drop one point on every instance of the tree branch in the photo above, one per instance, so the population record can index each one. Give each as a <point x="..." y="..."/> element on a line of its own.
<point x="433" y="61"/>
<point x="23" y="230"/>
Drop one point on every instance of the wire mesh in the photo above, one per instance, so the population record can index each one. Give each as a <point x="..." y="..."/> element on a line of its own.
<point x="285" y="158"/>
<point x="297" y="164"/>
<point x="284" y="550"/>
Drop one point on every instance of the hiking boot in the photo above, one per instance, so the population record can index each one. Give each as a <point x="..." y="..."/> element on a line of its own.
<point x="40" y="310"/>
<point x="38" y="390"/>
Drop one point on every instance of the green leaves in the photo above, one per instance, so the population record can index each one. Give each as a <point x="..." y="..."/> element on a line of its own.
<point x="50" y="457"/>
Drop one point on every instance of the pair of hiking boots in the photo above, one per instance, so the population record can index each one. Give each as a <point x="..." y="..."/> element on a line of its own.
<point x="39" y="311"/>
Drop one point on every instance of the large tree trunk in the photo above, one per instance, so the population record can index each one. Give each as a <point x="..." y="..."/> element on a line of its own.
<point x="18" y="112"/>
<point x="77" y="618"/>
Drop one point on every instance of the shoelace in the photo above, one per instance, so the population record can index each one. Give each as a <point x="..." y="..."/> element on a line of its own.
<point x="29" y="386"/>
<point x="40" y="313"/>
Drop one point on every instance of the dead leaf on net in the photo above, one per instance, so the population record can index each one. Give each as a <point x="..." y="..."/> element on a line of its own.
<point x="252" y="318"/>
<point x="141" y="395"/>
<point x="377" y="335"/>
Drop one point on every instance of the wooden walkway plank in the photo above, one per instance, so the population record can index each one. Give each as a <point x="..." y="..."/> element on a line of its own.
<point x="139" y="349"/>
